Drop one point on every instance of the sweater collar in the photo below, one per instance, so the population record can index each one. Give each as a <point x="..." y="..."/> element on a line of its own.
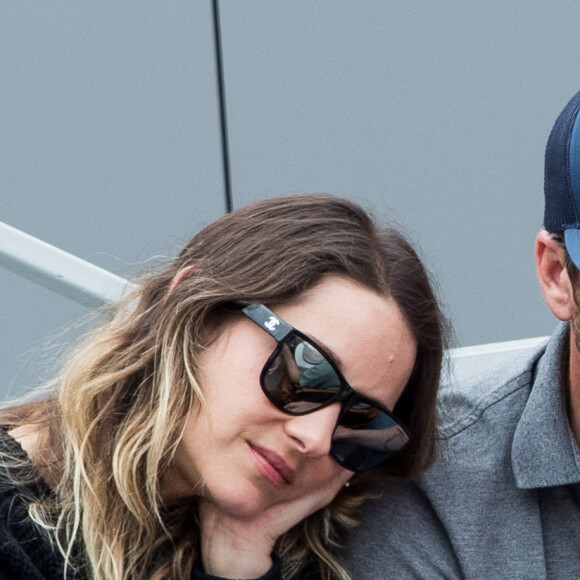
<point x="544" y="451"/>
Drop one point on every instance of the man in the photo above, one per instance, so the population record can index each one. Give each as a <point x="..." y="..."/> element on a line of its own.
<point x="503" y="498"/>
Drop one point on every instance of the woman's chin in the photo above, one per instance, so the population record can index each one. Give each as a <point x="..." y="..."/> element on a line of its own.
<point x="243" y="505"/>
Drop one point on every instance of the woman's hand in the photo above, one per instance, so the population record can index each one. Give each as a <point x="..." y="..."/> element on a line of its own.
<point x="241" y="547"/>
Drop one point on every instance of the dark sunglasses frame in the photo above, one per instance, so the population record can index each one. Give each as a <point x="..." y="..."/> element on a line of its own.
<point x="283" y="333"/>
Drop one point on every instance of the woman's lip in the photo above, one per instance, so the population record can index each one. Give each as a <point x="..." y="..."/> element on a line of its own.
<point x="277" y="463"/>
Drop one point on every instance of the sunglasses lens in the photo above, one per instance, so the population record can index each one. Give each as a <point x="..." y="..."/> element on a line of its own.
<point x="365" y="436"/>
<point x="299" y="379"/>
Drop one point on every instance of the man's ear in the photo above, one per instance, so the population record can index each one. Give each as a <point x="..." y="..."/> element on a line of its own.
<point x="553" y="276"/>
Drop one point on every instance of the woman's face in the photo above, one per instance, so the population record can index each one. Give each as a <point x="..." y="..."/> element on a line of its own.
<point x="241" y="451"/>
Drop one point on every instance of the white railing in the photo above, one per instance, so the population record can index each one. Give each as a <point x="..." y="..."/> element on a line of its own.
<point x="468" y="361"/>
<point x="58" y="270"/>
<point x="90" y="285"/>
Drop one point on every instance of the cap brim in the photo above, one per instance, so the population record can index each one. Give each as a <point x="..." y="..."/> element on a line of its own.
<point x="572" y="239"/>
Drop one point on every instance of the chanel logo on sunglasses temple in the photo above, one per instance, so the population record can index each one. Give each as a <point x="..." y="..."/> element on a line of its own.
<point x="300" y="378"/>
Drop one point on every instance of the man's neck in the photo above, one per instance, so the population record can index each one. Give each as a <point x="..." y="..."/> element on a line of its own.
<point x="574" y="388"/>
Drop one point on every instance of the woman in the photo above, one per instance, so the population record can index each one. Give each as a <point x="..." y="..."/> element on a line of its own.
<point x="229" y="418"/>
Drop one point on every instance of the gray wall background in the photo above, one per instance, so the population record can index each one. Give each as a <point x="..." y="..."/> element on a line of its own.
<point x="433" y="115"/>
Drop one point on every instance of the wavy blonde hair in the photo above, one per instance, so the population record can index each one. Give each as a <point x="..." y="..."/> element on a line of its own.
<point x="121" y="403"/>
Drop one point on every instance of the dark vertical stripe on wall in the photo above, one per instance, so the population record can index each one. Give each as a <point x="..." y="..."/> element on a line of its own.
<point x="222" y="105"/>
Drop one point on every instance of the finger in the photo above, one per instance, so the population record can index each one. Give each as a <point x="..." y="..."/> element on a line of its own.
<point x="291" y="513"/>
<point x="335" y="486"/>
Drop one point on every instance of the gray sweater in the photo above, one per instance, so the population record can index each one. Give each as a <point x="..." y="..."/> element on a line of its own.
<point x="503" y="498"/>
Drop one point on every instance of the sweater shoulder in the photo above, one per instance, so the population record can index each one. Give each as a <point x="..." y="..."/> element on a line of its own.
<point x="506" y="388"/>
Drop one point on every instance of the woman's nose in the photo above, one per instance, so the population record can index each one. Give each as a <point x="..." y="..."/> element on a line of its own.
<point x="312" y="433"/>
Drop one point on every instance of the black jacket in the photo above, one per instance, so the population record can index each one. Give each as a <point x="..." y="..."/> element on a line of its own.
<point x="26" y="552"/>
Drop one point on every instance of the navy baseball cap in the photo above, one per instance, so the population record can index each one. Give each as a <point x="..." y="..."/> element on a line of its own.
<point x="562" y="178"/>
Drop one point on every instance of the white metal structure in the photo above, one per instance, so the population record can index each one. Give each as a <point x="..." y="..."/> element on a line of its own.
<point x="469" y="361"/>
<point x="58" y="270"/>
<point x="90" y="285"/>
